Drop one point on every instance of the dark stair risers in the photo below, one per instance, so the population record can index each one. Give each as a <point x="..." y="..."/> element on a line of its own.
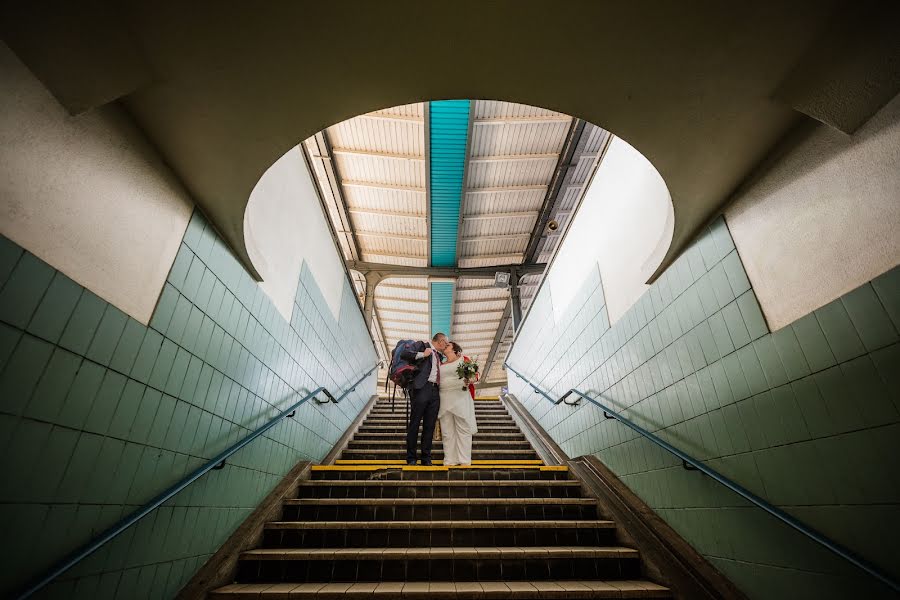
<point x="427" y="509"/>
<point x="437" y="453"/>
<point x="419" y="534"/>
<point x="428" y="564"/>
<point x="536" y="488"/>
<point x="380" y="473"/>
<point x="505" y="527"/>
<point x="392" y="437"/>
<point x="445" y="590"/>
<point x="478" y="444"/>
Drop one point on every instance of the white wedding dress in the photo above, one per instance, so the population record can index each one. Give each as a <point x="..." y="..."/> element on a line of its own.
<point x="457" y="416"/>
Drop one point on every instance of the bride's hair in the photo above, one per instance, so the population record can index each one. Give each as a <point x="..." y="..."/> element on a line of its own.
<point x="457" y="349"/>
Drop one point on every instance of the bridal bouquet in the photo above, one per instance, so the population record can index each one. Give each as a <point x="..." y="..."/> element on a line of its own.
<point x="467" y="371"/>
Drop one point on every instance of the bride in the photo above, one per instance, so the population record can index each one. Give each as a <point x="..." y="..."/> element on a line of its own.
<point x="457" y="412"/>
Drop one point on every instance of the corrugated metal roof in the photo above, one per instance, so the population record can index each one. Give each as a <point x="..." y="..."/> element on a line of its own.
<point x="448" y="128"/>
<point x="372" y="171"/>
<point x="441" y="307"/>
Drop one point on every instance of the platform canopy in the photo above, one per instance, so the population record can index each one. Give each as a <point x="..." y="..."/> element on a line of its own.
<point x="429" y="200"/>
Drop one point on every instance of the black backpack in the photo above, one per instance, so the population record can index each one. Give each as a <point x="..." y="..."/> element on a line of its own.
<point x="401" y="372"/>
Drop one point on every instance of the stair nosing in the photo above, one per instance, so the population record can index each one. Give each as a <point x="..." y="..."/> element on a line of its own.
<point x="437" y="501"/>
<point x="451" y="552"/>
<point x="444" y="524"/>
<point x="441" y="482"/>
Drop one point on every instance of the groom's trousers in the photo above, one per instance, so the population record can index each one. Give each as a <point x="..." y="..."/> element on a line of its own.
<point x="424" y="405"/>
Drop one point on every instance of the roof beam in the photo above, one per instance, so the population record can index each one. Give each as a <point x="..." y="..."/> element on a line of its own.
<point x="405" y="311"/>
<point x="473" y="272"/>
<point x="402" y="299"/>
<point x="513" y="157"/>
<point x="509" y="189"/>
<point x="399" y="286"/>
<point x="495" y="238"/>
<point x="375" y="154"/>
<point x="499" y="257"/>
<point x="390" y="117"/>
<point x="384" y="186"/>
<point x="387" y="320"/>
<point x="521" y="120"/>
<point x="393" y="255"/>
<point x="391" y="236"/>
<point x="505" y="215"/>
<point x="385" y="213"/>
<point x="473" y="301"/>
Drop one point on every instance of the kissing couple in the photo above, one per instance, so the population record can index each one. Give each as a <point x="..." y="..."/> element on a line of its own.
<point x="435" y="393"/>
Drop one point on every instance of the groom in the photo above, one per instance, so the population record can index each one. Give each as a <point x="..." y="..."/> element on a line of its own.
<point x="424" y="395"/>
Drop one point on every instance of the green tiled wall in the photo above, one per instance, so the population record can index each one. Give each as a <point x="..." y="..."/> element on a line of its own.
<point x="807" y="417"/>
<point x="100" y="413"/>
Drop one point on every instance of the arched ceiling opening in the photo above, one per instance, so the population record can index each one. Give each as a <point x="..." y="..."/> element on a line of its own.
<point x="702" y="89"/>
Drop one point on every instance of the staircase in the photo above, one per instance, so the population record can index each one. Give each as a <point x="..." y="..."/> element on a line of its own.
<point x="506" y="527"/>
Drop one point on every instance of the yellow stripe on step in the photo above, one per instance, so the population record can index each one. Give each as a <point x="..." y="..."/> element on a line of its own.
<point x="432" y="468"/>
<point x="436" y="462"/>
<point x="488" y="398"/>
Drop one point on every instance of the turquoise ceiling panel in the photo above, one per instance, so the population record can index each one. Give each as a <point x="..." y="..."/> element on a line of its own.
<point x="441" y="306"/>
<point x="449" y="130"/>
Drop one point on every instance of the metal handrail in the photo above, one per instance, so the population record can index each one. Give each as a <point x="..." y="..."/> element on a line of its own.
<point x="213" y="464"/>
<point x="692" y="464"/>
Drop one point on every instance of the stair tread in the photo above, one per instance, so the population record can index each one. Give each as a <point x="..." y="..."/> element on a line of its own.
<point x="494" y="450"/>
<point x="396" y="442"/>
<point x="425" y="501"/>
<point x="398" y="465"/>
<point x="461" y="524"/>
<point x="442" y="482"/>
<point x="623" y="588"/>
<point x="492" y="552"/>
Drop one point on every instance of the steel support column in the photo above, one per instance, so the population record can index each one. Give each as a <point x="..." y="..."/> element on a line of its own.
<point x="515" y="299"/>
<point x="372" y="281"/>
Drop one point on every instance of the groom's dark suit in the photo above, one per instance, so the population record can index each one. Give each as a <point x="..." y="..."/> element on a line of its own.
<point x="425" y="400"/>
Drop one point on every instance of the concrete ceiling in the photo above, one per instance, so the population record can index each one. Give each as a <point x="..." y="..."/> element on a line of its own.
<point x="703" y="89"/>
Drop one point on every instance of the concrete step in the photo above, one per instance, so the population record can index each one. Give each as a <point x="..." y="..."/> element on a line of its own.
<point x="348" y="565"/>
<point x="427" y="509"/>
<point x="374" y="436"/>
<point x="437" y="453"/>
<point x="446" y="590"/>
<point x="456" y="533"/>
<point x="374" y="473"/>
<point x="476" y="443"/>
<point x="532" y="488"/>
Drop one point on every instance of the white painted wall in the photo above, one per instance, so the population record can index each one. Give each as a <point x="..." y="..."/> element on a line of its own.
<point x="284" y="226"/>
<point x="87" y="194"/>
<point x="824" y="219"/>
<point x="624" y="225"/>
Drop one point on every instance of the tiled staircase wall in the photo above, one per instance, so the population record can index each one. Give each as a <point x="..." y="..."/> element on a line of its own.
<point x="808" y="417"/>
<point x="100" y="413"/>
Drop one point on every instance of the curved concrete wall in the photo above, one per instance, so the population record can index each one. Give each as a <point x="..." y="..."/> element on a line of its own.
<point x="284" y="226"/>
<point x="824" y="219"/>
<point x="87" y="194"/>
<point x="624" y="226"/>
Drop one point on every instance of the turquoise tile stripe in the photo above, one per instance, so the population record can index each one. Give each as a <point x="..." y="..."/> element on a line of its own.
<point x="441" y="306"/>
<point x="449" y="127"/>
